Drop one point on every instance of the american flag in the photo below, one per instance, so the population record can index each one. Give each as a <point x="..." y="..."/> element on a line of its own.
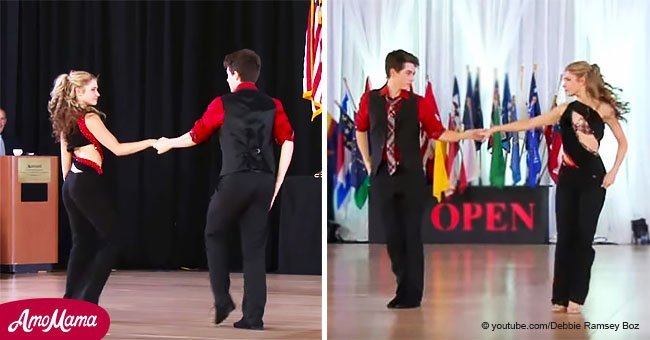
<point x="313" y="62"/>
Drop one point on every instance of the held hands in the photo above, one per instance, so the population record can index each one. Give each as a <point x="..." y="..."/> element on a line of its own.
<point x="489" y="132"/>
<point x="478" y="134"/>
<point x="162" y="145"/>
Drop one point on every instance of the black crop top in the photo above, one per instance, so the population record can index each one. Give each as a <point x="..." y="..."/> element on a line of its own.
<point x="76" y="139"/>
<point x="80" y="135"/>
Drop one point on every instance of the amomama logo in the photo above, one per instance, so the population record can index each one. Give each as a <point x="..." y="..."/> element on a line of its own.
<point x="52" y="319"/>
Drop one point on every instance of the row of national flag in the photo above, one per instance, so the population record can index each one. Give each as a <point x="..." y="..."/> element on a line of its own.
<point x="534" y="145"/>
<point x="456" y="174"/>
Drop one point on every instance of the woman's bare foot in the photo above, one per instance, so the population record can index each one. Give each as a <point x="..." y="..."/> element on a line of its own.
<point x="574" y="308"/>
<point x="558" y="309"/>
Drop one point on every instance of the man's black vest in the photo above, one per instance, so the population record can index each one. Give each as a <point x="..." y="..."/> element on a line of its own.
<point x="407" y="132"/>
<point x="246" y="136"/>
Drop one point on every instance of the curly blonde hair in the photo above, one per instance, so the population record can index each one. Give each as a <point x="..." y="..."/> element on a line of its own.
<point x="63" y="106"/>
<point x="598" y="88"/>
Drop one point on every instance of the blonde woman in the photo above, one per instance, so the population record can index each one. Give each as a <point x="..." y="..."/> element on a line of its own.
<point x="583" y="178"/>
<point x="80" y="129"/>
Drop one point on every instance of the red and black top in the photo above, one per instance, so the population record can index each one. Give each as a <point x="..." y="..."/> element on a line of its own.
<point x="79" y="137"/>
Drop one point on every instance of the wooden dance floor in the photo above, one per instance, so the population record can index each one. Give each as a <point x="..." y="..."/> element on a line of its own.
<point x="177" y="305"/>
<point x="467" y="285"/>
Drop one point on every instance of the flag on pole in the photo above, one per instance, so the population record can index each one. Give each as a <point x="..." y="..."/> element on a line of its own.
<point x="424" y="140"/>
<point x="312" y="65"/>
<point x="515" y="161"/>
<point x="362" y="190"/>
<point x="468" y="114"/>
<point x="478" y="113"/>
<point x="471" y="168"/>
<point x="497" y="163"/>
<point x="425" y="143"/>
<point x="343" y="157"/>
<point x="505" y="115"/>
<point x="533" y="137"/>
<point x="454" y="165"/>
<point x="440" y="178"/>
<point x="357" y="169"/>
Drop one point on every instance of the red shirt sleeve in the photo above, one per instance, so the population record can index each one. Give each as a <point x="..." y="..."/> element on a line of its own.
<point x="282" y="130"/>
<point x="362" y="119"/>
<point x="430" y="118"/>
<point x="211" y="120"/>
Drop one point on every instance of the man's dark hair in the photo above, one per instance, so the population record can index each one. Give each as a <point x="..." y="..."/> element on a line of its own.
<point x="396" y="60"/>
<point x="246" y="62"/>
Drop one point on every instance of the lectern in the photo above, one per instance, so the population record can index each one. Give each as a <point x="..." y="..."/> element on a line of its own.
<point x="29" y="221"/>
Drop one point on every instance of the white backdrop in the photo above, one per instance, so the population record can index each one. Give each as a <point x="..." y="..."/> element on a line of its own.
<point x="449" y="35"/>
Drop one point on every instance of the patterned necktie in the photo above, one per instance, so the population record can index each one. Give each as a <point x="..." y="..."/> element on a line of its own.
<point x="390" y="135"/>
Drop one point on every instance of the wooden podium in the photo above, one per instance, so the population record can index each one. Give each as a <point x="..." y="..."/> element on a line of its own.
<point x="29" y="213"/>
